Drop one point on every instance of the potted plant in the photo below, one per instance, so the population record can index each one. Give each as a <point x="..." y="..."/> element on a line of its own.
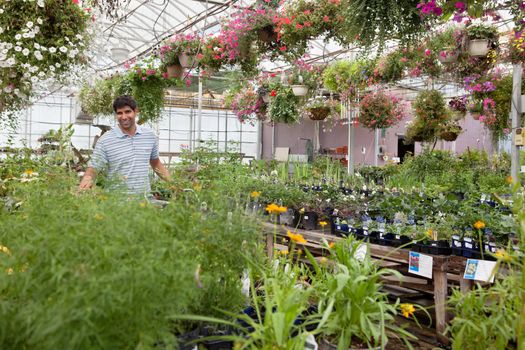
<point x="447" y="43"/>
<point x="282" y="107"/>
<point x="213" y="54"/>
<point x="458" y="105"/>
<point x="248" y="106"/>
<point x="450" y="131"/>
<point x="303" y="79"/>
<point x="348" y="77"/>
<point x="321" y="107"/>
<point x="379" y="110"/>
<point x="481" y="38"/>
<point x="516" y="48"/>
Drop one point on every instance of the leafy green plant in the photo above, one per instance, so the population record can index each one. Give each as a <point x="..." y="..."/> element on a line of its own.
<point x="283" y="104"/>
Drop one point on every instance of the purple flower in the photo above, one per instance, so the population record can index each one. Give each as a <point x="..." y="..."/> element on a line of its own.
<point x="460" y="6"/>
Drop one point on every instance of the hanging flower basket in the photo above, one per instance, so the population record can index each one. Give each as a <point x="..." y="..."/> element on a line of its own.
<point x="265" y="97"/>
<point x="267" y="34"/>
<point x="478" y="47"/>
<point x="300" y="90"/>
<point x="185" y="60"/>
<point x="449" y="136"/>
<point x="319" y="113"/>
<point x="175" y="71"/>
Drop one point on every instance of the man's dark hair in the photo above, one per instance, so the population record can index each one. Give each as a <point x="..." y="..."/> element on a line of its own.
<point x="123" y="101"/>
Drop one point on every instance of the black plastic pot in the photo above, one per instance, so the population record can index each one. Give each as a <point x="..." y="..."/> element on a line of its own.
<point x="441" y="247"/>
<point x="290" y="218"/>
<point x="309" y="220"/>
<point x="457" y="246"/>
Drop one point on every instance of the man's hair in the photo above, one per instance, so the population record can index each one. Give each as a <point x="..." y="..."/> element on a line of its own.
<point x="123" y="101"/>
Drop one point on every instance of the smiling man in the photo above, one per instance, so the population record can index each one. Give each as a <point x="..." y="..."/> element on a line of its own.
<point x="126" y="151"/>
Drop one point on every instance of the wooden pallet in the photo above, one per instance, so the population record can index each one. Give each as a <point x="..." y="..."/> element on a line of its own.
<point x="447" y="270"/>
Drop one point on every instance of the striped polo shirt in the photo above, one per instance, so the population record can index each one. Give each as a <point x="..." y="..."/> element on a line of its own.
<point x="126" y="158"/>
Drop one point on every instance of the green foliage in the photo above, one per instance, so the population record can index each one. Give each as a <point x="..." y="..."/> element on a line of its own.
<point x="283" y="106"/>
<point x="98" y="99"/>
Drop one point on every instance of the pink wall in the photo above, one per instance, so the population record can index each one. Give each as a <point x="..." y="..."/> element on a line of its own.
<point x="474" y="136"/>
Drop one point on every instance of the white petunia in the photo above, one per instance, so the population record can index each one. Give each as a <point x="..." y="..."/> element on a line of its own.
<point x="33" y="69"/>
<point x="39" y="20"/>
<point x="38" y="55"/>
<point x="30" y="35"/>
<point x="78" y="36"/>
<point x="25" y="52"/>
<point x="34" y="79"/>
<point x="1" y="30"/>
<point x="18" y="37"/>
<point x="52" y="49"/>
<point x="3" y="57"/>
<point x="1" y="11"/>
<point x="27" y="75"/>
<point x="18" y="48"/>
<point x="52" y="68"/>
<point x="40" y="3"/>
<point x="41" y="74"/>
<point x="9" y="46"/>
<point x="4" y="51"/>
<point x="25" y="35"/>
<point x="36" y="29"/>
<point x="37" y="46"/>
<point x="58" y="65"/>
<point x="11" y="61"/>
<point x="63" y="49"/>
<point x="29" y="24"/>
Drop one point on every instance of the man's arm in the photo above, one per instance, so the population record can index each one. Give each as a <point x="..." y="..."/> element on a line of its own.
<point x="88" y="180"/>
<point x="160" y="169"/>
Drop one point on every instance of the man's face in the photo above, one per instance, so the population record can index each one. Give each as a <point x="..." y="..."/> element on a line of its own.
<point x="126" y="117"/>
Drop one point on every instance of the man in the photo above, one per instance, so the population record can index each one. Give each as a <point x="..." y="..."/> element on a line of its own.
<point x="126" y="151"/>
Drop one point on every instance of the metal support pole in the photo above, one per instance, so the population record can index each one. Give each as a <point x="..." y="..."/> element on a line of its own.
<point x="199" y="113"/>
<point x="349" y="114"/>
<point x="317" y="143"/>
<point x="258" y="155"/>
<point x="376" y="146"/>
<point x="515" y="114"/>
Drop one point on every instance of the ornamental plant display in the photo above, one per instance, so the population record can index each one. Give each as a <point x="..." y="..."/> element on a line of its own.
<point x="97" y="100"/>
<point x="321" y="108"/>
<point x="348" y="77"/>
<point x="303" y="73"/>
<point x="430" y="114"/>
<point x="178" y="44"/>
<point x="283" y="104"/>
<point x="447" y="42"/>
<point x="516" y="48"/>
<point x="380" y="110"/>
<point x="39" y="40"/>
<point x="248" y="106"/>
<point x="213" y="55"/>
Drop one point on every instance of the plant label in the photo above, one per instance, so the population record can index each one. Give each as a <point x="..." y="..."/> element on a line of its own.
<point x="361" y="251"/>
<point x="420" y="264"/>
<point x="480" y="270"/>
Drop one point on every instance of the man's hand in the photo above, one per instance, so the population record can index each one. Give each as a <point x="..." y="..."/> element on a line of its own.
<point x="160" y="169"/>
<point x="88" y="180"/>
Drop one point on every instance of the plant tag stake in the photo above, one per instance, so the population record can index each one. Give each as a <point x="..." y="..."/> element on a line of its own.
<point x="420" y="264"/>
<point x="480" y="270"/>
<point x="360" y="252"/>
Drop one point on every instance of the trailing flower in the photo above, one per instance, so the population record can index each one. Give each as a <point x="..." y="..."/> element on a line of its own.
<point x="38" y="41"/>
<point x="379" y="110"/>
<point x="178" y="44"/>
<point x="248" y="106"/>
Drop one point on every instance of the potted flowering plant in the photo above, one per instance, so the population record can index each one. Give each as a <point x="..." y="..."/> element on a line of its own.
<point x="39" y="42"/>
<point x="448" y="43"/>
<point x="321" y="107"/>
<point x="458" y="105"/>
<point x="182" y="47"/>
<point x="481" y="38"/>
<point x="516" y="48"/>
<point x="248" y="106"/>
<point x="304" y="78"/>
<point x="212" y="56"/>
<point x="379" y="110"/>
<point x="450" y="131"/>
<point x="348" y="77"/>
<point x="282" y="107"/>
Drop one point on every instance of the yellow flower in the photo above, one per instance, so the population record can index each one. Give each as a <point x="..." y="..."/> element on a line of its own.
<point x="296" y="237"/>
<point x="197" y="187"/>
<point x="142" y="204"/>
<point x="99" y="217"/>
<point x="429" y="232"/>
<point x="5" y="250"/>
<point x="9" y="271"/>
<point x="407" y="310"/>
<point x="284" y="240"/>
<point x="323" y="260"/>
<point x="479" y="225"/>
<point x="299" y="252"/>
<point x="275" y="209"/>
<point x="331" y="245"/>
<point x="301" y="211"/>
<point x="283" y="252"/>
<point x="28" y="172"/>
<point x="255" y="194"/>
<point x="323" y="223"/>
<point x="502" y="255"/>
<point x="509" y="180"/>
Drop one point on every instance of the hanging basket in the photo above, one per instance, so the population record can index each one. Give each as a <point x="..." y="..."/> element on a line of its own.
<point x="300" y="90"/>
<point x="267" y="34"/>
<point x="175" y="71"/>
<point x="449" y="136"/>
<point x="185" y="60"/>
<point x="265" y="97"/>
<point x="478" y="47"/>
<point x="319" y="113"/>
<point x="475" y="116"/>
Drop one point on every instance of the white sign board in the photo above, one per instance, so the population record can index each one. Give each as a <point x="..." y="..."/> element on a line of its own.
<point x="420" y="264"/>
<point x="480" y="270"/>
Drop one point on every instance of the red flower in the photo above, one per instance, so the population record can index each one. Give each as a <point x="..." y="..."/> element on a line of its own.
<point x="76" y="1"/>
<point x="273" y="93"/>
<point x="326" y="18"/>
<point x="307" y="24"/>
<point x="283" y="48"/>
<point x="273" y="75"/>
<point x="307" y="12"/>
<point x="298" y="26"/>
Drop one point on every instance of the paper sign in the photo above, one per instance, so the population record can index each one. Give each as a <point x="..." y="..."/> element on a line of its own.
<point x="480" y="270"/>
<point x="420" y="264"/>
